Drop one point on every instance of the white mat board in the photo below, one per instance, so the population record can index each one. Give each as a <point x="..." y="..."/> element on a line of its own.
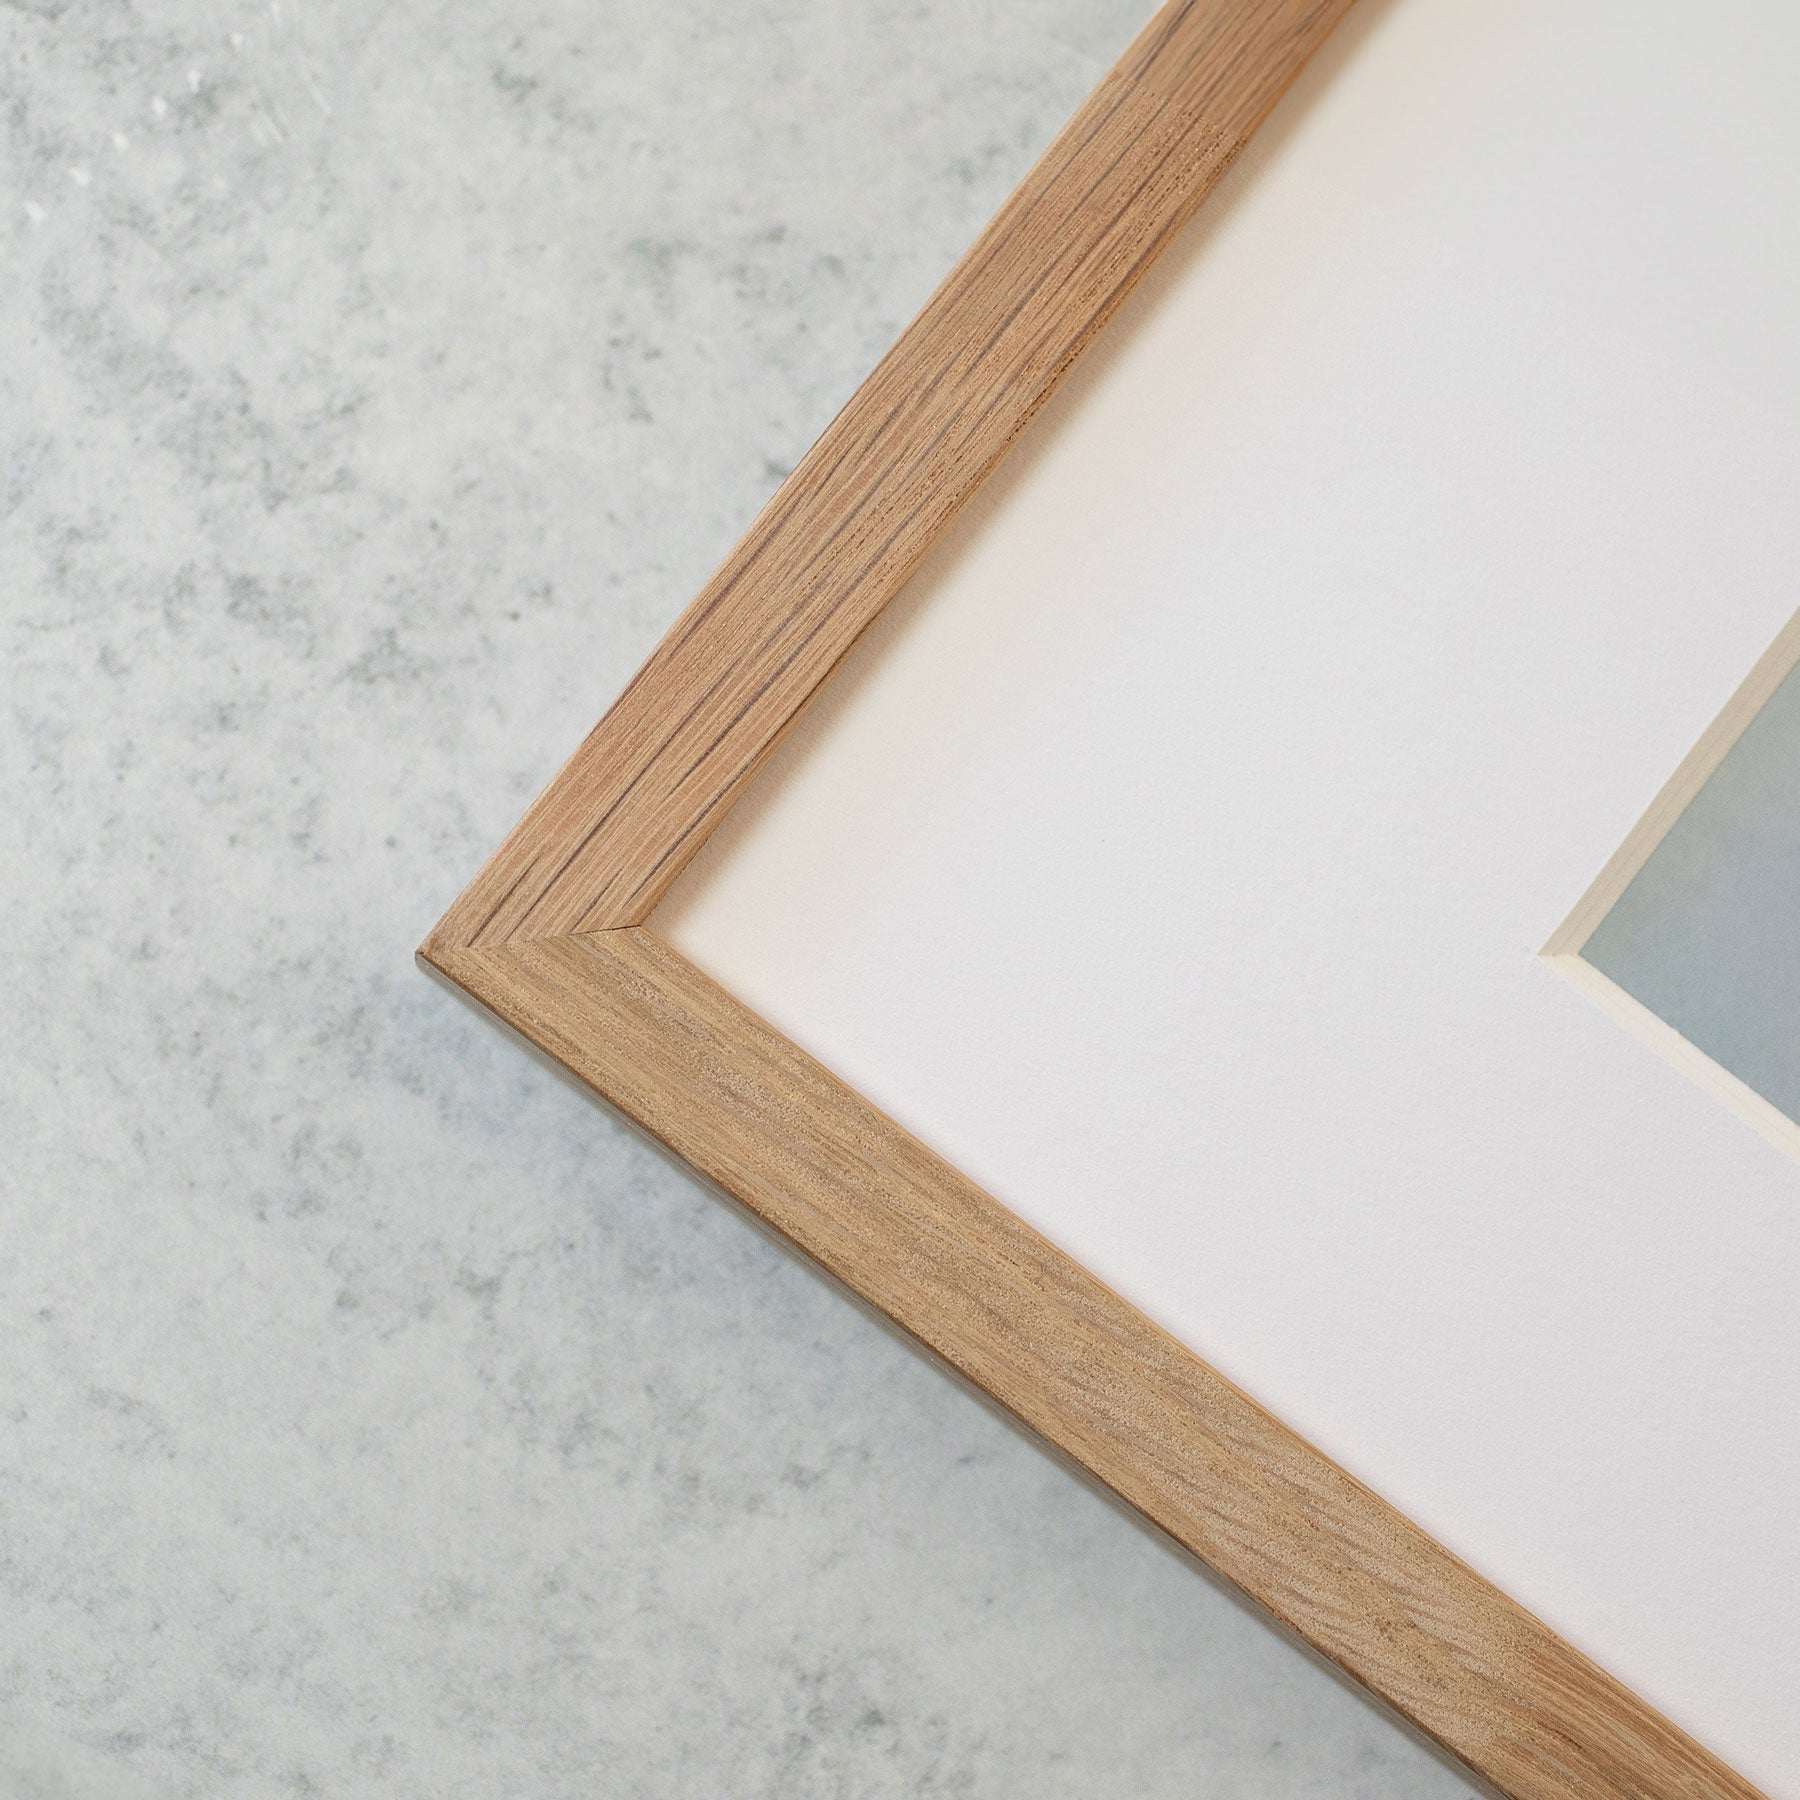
<point x="1174" y="856"/>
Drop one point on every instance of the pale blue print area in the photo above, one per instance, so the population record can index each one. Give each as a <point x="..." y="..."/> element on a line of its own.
<point x="1708" y="935"/>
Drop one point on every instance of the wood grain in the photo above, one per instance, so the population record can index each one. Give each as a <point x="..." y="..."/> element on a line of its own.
<point x="644" y="1028"/>
<point x="550" y="938"/>
<point x="841" y="535"/>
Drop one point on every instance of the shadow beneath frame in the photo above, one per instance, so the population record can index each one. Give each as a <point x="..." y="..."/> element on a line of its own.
<point x="1238" y="1599"/>
<point x="1351" y="39"/>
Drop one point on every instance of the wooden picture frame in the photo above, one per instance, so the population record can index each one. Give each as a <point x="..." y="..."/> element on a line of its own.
<point x="556" y="937"/>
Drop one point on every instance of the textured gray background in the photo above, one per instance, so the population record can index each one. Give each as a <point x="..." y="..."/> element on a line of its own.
<point x="380" y="1418"/>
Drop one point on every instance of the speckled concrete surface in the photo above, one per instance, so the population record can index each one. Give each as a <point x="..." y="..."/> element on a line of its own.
<point x="380" y="1418"/>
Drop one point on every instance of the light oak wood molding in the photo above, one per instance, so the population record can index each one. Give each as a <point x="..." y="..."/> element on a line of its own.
<point x="551" y="938"/>
<point x="638" y="799"/>
<point x="637" y="1023"/>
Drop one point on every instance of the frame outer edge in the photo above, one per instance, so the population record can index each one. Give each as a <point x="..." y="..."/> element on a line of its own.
<point x="548" y="938"/>
<point x="602" y="843"/>
<point x="1079" y="1366"/>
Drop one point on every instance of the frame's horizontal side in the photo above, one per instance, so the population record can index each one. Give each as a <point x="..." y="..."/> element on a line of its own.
<point x="639" y="797"/>
<point x="740" y="1102"/>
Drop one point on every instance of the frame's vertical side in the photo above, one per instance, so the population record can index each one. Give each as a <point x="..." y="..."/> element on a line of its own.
<point x="846" y="528"/>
